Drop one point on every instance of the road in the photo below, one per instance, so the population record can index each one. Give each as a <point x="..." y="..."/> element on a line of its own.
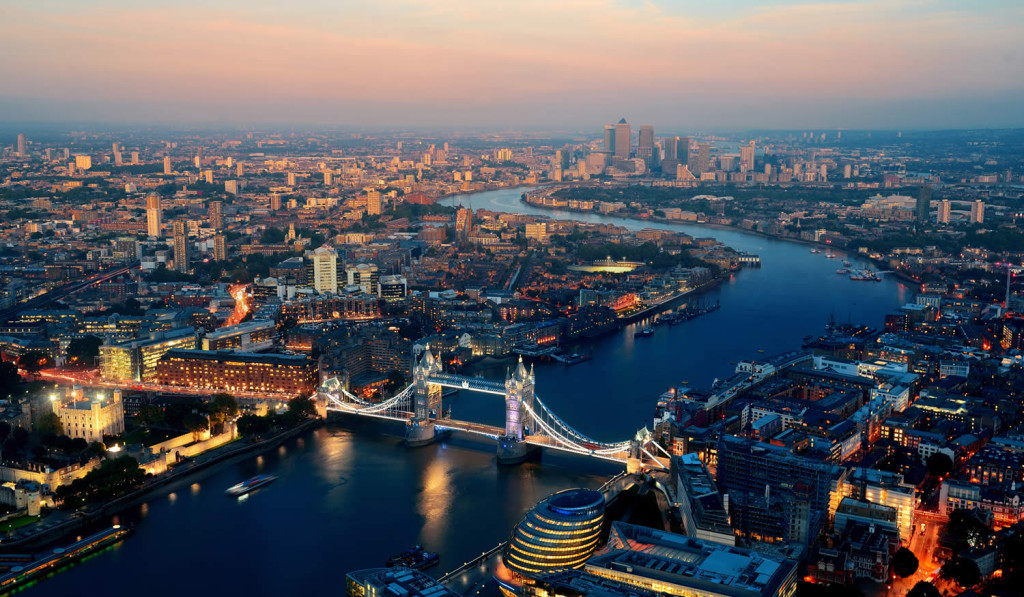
<point x="63" y="291"/>
<point x="923" y="544"/>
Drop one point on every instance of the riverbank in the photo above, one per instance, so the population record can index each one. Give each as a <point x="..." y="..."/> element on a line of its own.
<point x="156" y="485"/>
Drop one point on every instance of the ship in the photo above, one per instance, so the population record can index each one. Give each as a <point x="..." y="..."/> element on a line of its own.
<point x="643" y="333"/>
<point x="866" y="276"/>
<point x="415" y="557"/>
<point x="19" y="575"/>
<point x="846" y="263"/>
<point x="843" y="271"/>
<point x="250" y="484"/>
<point x="815" y="251"/>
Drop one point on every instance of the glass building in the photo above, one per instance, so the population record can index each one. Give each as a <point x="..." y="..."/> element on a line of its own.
<point x="559" y="533"/>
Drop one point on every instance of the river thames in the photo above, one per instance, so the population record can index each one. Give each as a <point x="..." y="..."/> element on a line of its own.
<point x="350" y="495"/>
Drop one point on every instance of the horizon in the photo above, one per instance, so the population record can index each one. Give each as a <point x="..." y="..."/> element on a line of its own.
<point x="401" y="64"/>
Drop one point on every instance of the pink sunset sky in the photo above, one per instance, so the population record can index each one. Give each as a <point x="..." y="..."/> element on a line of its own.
<point x="527" y="63"/>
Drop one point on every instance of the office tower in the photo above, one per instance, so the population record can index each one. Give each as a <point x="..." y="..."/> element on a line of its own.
<point x="645" y="145"/>
<point x="609" y="138"/>
<point x="623" y="139"/>
<point x="978" y="212"/>
<point x="275" y="202"/>
<point x="135" y="158"/>
<point x="291" y="179"/>
<point x="220" y="248"/>
<point x="703" y="158"/>
<point x="83" y="162"/>
<point x="181" y="247"/>
<point x="747" y="157"/>
<point x="924" y="202"/>
<point x="365" y="276"/>
<point x="216" y="215"/>
<point x="373" y="203"/>
<point x="463" y="223"/>
<point x="944" y="207"/>
<point x="154" y="216"/>
<point x="167" y="165"/>
<point x="325" y="269"/>
<point x="22" y="145"/>
<point x="775" y="495"/>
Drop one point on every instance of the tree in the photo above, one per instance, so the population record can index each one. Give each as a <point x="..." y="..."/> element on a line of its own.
<point x="962" y="571"/>
<point x="84" y="350"/>
<point x="49" y="424"/>
<point x="302" y="407"/>
<point x="939" y="465"/>
<point x="150" y="416"/>
<point x="225" y="404"/>
<point x="966" y="530"/>
<point x="196" y="424"/>
<point x="253" y="425"/>
<point x="9" y="378"/>
<point x="33" y="361"/>
<point x="904" y="562"/>
<point x="924" y="588"/>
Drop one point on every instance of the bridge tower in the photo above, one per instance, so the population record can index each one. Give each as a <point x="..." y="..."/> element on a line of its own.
<point x="427" y="406"/>
<point x="518" y="397"/>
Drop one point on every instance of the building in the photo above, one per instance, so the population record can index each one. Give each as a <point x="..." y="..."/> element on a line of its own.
<point x="703" y="158"/>
<point x="944" y="209"/>
<point x="623" y="139"/>
<point x="884" y="489"/>
<point x="701" y="508"/>
<point x="325" y="270"/>
<point x="645" y="145"/>
<point x="216" y="215"/>
<point x="251" y="336"/>
<point x="181" y="248"/>
<point x="92" y="419"/>
<point x="373" y="203"/>
<point x="978" y="212"/>
<point x="609" y="139"/>
<point x="154" y="216"/>
<point x="747" y="153"/>
<point x="559" y="533"/>
<point x="923" y="205"/>
<point x="220" y="248"/>
<point x="774" y="495"/>
<point x="463" y="223"/>
<point x="645" y="561"/>
<point x="135" y="360"/>
<point x="237" y="372"/>
<point x="365" y="276"/>
<point x="394" y="582"/>
<point x="22" y="145"/>
<point x="393" y="288"/>
<point x="83" y="162"/>
<point x="167" y="165"/>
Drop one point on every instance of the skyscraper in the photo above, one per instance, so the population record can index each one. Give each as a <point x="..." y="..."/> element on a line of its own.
<point x="181" y="263"/>
<point x="154" y="216"/>
<point x="609" y="138"/>
<point x="623" y="139"/>
<point x="463" y="223"/>
<point x="373" y="203"/>
<point x="747" y="157"/>
<point x="22" y="145"/>
<point x="216" y="215"/>
<point x="978" y="212"/>
<point x="325" y="270"/>
<point x="275" y="202"/>
<point x="645" y="145"/>
<point x="220" y="248"/>
<point x="924" y="203"/>
<point x="943" y="216"/>
<point x="167" y="165"/>
<point x="703" y="158"/>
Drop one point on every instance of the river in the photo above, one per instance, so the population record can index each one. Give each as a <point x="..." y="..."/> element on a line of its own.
<point x="349" y="495"/>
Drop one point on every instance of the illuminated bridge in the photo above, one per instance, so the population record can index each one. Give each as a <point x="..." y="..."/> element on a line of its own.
<point x="529" y="423"/>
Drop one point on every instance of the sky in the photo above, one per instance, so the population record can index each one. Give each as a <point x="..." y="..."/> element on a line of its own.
<point x="562" y="64"/>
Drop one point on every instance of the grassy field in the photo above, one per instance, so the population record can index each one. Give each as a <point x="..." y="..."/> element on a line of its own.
<point x="17" y="523"/>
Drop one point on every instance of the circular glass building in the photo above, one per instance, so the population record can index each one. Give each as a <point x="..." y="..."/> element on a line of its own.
<point x="559" y="533"/>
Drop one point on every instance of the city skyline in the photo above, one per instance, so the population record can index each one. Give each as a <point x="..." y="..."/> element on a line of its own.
<point x="912" y="64"/>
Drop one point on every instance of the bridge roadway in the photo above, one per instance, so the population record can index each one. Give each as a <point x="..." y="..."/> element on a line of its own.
<point x="66" y="290"/>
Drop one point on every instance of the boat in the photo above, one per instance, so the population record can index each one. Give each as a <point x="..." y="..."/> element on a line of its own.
<point x="866" y="276"/>
<point x="815" y="251"/>
<point x="61" y="556"/>
<point x="830" y="255"/>
<point x="843" y="271"/>
<point x="415" y="557"/>
<point x="643" y="333"/>
<point x="846" y="263"/>
<point x="250" y="484"/>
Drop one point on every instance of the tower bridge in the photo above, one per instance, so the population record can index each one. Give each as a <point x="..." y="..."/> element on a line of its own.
<point x="529" y="423"/>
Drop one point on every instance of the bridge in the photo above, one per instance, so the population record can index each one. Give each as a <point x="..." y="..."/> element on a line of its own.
<point x="529" y="423"/>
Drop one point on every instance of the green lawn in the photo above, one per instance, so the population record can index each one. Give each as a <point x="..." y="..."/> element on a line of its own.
<point x="17" y="523"/>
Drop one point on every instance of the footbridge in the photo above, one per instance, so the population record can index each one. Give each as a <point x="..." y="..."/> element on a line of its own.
<point x="529" y="423"/>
